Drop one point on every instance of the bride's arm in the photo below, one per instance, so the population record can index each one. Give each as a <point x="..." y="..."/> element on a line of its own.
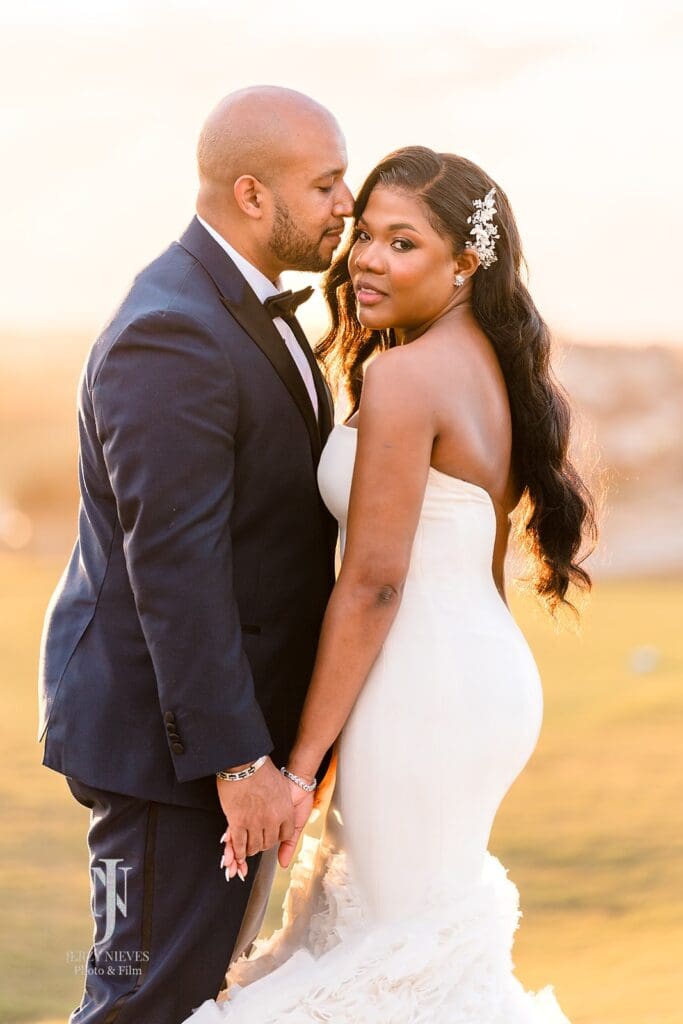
<point x="395" y="437"/>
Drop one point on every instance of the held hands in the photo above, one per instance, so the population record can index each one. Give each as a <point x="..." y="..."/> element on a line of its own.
<point x="260" y="813"/>
<point x="262" y="810"/>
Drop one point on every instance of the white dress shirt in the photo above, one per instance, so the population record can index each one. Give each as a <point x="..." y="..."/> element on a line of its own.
<point x="263" y="289"/>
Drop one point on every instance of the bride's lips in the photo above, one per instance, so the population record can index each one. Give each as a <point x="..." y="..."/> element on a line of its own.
<point x="367" y="294"/>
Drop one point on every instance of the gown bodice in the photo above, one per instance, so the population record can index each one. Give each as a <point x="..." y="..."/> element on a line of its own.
<point x="452" y="551"/>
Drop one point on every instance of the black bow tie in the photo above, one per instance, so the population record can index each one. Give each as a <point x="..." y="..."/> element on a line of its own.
<point x="285" y="303"/>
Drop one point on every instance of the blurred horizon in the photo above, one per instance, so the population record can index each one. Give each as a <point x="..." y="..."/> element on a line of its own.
<point x="20" y="342"/>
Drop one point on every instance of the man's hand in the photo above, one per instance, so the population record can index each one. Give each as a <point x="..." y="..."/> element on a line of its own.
<point x="260" y="813"/>
<point x="303" y="805"/>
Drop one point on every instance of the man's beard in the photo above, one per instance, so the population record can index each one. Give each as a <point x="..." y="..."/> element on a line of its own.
<point x="291" y="246"/>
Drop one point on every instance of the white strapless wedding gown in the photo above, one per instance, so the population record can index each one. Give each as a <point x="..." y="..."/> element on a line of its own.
<point x="399" y="915"/>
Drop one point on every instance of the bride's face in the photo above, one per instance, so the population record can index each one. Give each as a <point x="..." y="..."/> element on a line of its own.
<point x="402" y="270"/>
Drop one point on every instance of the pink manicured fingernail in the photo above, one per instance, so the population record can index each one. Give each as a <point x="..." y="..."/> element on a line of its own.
<point x="227" y="874"/>
<point x="223" y="837"/>
<point x="240" y="874"/>
<point x="222" y="863"/>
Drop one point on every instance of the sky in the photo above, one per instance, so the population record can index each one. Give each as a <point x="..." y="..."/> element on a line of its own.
<point x="572" y="108"/>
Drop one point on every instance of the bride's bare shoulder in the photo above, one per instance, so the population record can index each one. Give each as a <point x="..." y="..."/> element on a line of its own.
<point x="423" y="365"/>
<point x="397" y="363"/>
<point x="397" y="391"/>
<point x="396" y="374"/>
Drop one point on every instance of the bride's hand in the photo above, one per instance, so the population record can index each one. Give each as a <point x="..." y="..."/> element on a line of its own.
<point x="303" y="805"/>
<point x="229" y="861"/>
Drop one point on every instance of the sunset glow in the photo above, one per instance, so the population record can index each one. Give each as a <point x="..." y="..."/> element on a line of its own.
<point x="570" y="108"/>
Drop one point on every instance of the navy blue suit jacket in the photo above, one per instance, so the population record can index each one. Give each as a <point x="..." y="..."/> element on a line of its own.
<point x="181" y="637"/>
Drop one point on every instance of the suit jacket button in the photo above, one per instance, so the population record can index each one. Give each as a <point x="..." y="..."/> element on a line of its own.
<point x="170" y="727"/>
<point x="169" y="717"/>
<point x="177" y="748"/>
<point x="174" y="737"/>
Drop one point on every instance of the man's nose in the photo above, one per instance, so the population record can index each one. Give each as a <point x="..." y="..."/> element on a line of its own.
<point x="343" y="206"/>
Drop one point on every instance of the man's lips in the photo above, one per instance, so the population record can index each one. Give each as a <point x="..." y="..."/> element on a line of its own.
<point x="334" y="233"/>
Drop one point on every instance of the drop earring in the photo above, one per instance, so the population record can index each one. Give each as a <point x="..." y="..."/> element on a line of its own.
<point x="459" y="280"/>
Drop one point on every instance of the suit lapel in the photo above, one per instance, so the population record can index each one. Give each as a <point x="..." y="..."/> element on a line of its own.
<point x="258" y="324"/>
<point x="241" y="302"/>
<point x="325" y="403"/>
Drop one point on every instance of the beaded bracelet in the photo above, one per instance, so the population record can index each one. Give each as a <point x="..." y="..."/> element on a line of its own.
<point x="301" y="783"/>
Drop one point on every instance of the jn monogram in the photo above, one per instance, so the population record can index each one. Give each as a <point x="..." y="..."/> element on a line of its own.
<point x="114" y="903"/>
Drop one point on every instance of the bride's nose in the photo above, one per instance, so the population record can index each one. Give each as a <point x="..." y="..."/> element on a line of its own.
<point x="368" y="257"/>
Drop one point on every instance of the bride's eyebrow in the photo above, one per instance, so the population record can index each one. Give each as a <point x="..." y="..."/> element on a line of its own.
<point x="403" y="227"/>
<point x="393" y="227"/>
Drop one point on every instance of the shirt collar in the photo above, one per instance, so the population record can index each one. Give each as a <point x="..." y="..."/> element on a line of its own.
<point x="259" y="283"/>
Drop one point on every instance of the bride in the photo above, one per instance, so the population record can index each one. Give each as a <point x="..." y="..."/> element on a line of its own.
<point x="399" y="914"/>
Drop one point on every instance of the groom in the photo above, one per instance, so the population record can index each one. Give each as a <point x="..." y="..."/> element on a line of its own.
<point x="181" y="638"/>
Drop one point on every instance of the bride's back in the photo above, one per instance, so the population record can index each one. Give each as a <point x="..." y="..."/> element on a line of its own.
<point x="472" y="410"/>
<point x="465" y="387"/>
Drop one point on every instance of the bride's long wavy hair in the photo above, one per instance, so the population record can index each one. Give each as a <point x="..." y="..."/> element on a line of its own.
<point x="556" y="510"/>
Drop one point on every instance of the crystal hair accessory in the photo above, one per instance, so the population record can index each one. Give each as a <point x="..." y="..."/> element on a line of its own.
<point x="484" y="230"/>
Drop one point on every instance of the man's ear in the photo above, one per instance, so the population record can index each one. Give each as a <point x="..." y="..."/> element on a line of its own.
<point x="249" y="196"/>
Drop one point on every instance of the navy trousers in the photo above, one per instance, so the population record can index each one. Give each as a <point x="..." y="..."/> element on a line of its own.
<point x="165" y="919"/>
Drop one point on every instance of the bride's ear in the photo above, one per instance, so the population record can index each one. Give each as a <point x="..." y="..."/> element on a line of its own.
<point x="465" y="264"/>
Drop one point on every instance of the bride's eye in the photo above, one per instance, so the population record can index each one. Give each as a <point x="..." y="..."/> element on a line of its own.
<point x="361" y="236"/>
<point x="402" y="245"/>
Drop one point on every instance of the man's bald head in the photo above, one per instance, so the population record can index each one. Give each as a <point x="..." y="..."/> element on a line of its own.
<point x="271" y="170"/>
<point x="256" y="131"/>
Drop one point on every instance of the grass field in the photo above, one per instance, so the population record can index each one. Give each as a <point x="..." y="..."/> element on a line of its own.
<point x="592" y="832"/>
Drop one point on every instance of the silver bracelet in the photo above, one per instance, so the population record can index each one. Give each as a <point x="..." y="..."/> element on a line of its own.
<point x="301" y="783"/>
<point x="245" y="773"/>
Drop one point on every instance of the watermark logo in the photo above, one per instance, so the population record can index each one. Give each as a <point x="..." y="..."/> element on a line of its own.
<point x="116" y="896"/>
<point x="112" y="963"/>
